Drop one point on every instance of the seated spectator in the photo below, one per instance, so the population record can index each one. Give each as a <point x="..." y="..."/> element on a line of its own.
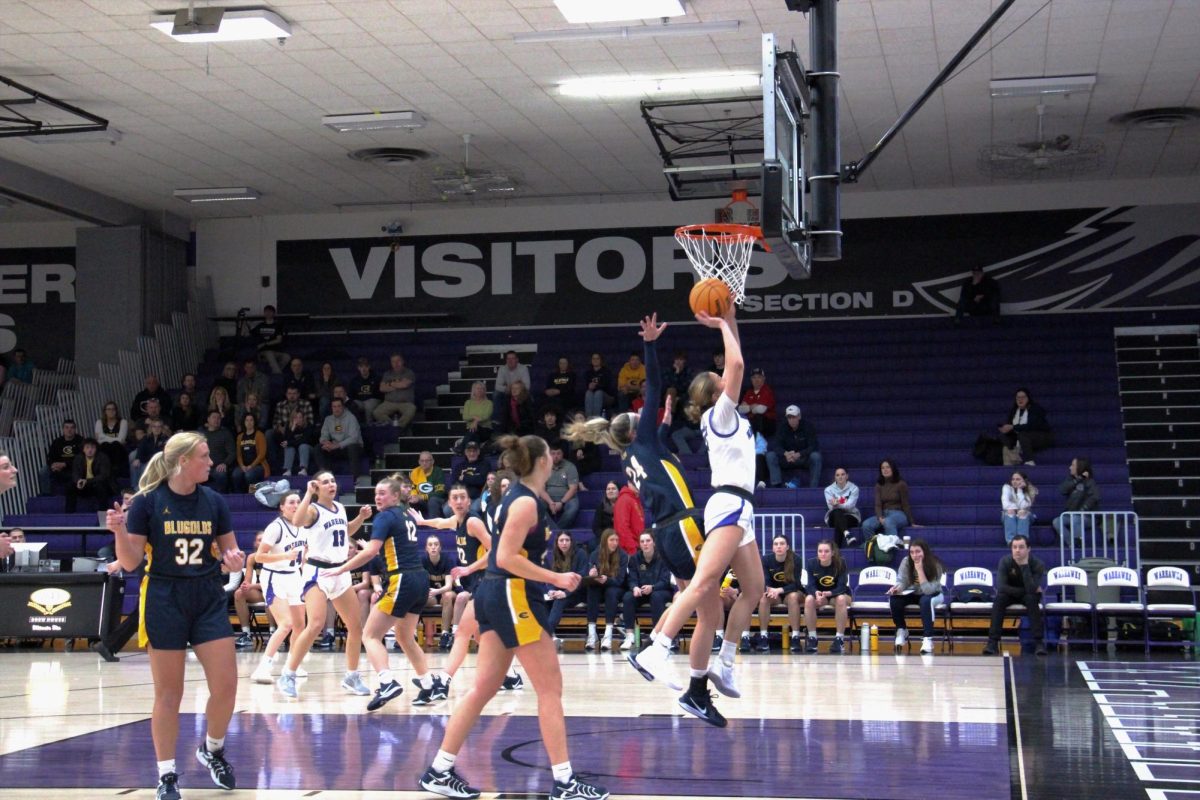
<point x="269" y="336"/>
<point x="677" y="378"/>
<point x="249" y="592"/>
<point x="472" y="471"/>
<point x="1018" y="581"/>
<point x="441" y="586"/>
<point x="397" y="386"/>
<point x="562" y="489"/>
<point x="629" y="517"/>
<point x="841" y="502"/>
<point x="516" y="414"/>
<point x="918" y="582"/>
<point x="299" y="439"/>
<point x="227" y="380"/>
<point x="477" y="413"/>
<point x="565" y="557"/>
<point x="324" y="383"/>
<point x="282" y="417"/>
<point x="648" y="581"/>
<point x="429" y="487"/>
<point x="56" y="475"/>
<point x="1082" y="494"/>
<point x="718" y="362"/>
<point x="629" y="381"/>
<point x="153" y="389"/>
<point x="560" y="388"/>
<point x="828" y="585"/>
<point x="222" y="449"/>
<point x="91" y="476"/>
<point x="794" y="447"/>
<point x="978" y="297"/>
<point x="252" y="382"/>
<point x="251" y="455"/>
<point x="252" y="404"/>
<point x="783" y="587"/>
<point x="584" y="455"/>
<point x="687" y="437"/>
<point x="7" y="553"/>
<point x="489" y="499"/>
<point x="184" y="414"/>
<point x="111" y="432"/>
<point x="892" y="512"/>
<point x="607" y="572"/>
<point x="599" y="392"/>
<point x="189" y="385"/>
<point x="152" y="442"/>
<point x="549" y="426"/>
<point x="340" y="438"/>
<point x="602" y="520"/>
<point x="218" y="400"/>
<point x="296" y="375"/>
<point x="21" y="368"/>
<point x="511" y="371"/>
<point x="1016" y="503"/>
<point x="364" y="392"/>
<point x="1026" y="431"/>
<point x="758" y="404"/>
<point x="153" y="413"/>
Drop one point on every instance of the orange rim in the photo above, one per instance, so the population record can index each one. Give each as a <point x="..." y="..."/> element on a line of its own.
<point x="722" y="231"/>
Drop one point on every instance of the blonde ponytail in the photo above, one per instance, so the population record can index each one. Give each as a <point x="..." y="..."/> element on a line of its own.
<point x="164" y="465"/>
<point x="617" y="434"/>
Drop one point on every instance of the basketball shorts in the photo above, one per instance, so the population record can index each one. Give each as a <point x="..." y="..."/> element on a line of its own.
<point x="178" y="613"/>
<point x="405" y="593"/>
<point x="287" y="586"/>
<point x="724" y="508"/>
<point x="680" y="544"/>
<point x="470" y="583"/>
<point x="511" y="608"/>
<point x="334" y="586"/>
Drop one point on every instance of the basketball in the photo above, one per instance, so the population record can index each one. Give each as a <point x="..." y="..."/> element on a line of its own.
<point x="711" y="296"/>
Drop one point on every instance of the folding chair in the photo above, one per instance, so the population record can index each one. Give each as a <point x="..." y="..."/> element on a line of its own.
<point x="1068" y="580"/>
<point x="1125" y="580"/>
<point x="873" y="582"/>
<point x="1174" y="580"/>
<point x="969" y="577"/>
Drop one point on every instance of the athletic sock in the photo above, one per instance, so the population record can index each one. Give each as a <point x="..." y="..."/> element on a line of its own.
<point x="721" y="634"/>
<point x="444" y="761"/>
<point x="562" y="772"/>
<point x="166" y="766"/>
<point x="245" y="629"/>
<point x="444" y="676"/>
<point x="289" y="673"/>
<point x="385" y="676"/>
<point x="213" y="745"/>
<point x="454" y="629"/>
<point x="728" y="651"/>
<point x="662" y="641"/>
<point x="425" y="680"/>
<point x="591" y="630"/>
<point x="512" y="673"/>
<point x="329" y="631"/>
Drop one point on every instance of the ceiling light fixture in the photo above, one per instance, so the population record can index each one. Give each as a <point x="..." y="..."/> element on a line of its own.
<point x="373" y="121"/>
<point x="216" y="194"/>
<point x="629" y="32"/>
<point x="613" y="10"/>
<point x="634" y="86"/>
<point x="1039" y="87"/>
<point x="222" y="25"/>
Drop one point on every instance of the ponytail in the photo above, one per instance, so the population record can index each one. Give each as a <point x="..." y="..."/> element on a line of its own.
<point x="165" y="465"/>
<point x="702" y="389"/>
<point x="617" y="434"/>
<point x="521" y="453"/>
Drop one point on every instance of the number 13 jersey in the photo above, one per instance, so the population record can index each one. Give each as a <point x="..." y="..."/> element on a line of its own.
<point x="328" y="539"/>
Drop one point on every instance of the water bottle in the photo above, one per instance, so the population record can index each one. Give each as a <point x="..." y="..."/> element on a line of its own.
<point x="874" y="638"/>
<point x="864" y="636"/>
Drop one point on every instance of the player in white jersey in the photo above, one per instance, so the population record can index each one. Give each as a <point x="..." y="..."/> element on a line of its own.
<point x="728" y="522"/>
<point x="281" y="554"/>
<point x="327" y="533"/>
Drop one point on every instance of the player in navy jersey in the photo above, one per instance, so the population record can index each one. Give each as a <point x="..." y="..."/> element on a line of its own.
<point x="512" y="621"/>
<point x="185" y="532"/>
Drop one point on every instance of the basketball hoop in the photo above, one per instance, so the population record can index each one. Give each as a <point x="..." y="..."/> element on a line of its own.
<point x="721" y="251"/>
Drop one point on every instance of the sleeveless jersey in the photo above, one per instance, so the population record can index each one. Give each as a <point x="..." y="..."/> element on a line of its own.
<point x="534" y="545"/>
<point x="468" y="546"/>
<point x="180" y="531"/>
<point x="730" y="443"/>
<point x="398" y="532"/>
<point x="328" y="538"/>
<point x="650" y="466"/>
<point x="284" y="537"/>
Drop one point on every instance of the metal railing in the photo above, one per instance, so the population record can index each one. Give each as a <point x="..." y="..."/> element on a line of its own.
<point x="1111" y="535"/>
<point x="790" y="526"/>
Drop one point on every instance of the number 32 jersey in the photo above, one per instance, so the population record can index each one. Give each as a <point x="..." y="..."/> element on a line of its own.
<point x="180" y="530"/>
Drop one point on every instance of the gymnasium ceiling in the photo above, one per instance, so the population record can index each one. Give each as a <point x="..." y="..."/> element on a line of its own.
<point x="249" y="113"/>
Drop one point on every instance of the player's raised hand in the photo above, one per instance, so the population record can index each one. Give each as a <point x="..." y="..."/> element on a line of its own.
<point x="651" y="330"/>
<point x="114" y="519"/>
<point x="314" y="488"/>
<point x="365" y="512"/>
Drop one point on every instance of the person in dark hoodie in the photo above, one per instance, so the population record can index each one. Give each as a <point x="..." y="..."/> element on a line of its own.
<point x="607" y="571"/>
<point x="1026" y="429"/>
<point x="648" y="581"/>
<point x="565" y="557"/>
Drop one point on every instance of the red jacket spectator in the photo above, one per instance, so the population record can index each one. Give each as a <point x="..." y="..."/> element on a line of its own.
<point x="758" y="404"/>
<point x="629" y="518"/>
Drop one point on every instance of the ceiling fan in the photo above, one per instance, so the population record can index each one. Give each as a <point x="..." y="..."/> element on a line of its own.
<point x="1060" y="155"/>
<point x="466" y="181"/>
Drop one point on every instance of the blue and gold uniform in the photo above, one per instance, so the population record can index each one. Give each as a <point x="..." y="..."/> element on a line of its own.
<point x="182" y="600"/>
<point x="658" y="476"/>
<point x="504" y="603"/>
<point x="468" y="553"/>
<point x="407" y="585"/>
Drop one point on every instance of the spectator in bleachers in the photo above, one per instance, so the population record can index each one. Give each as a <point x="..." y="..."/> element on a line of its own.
<point x="251" y="455"/>
<point x="676" y="380"/>
<point x="218" y="400"/>
<point x="153" y="389"/>
<point x="718" y="362"/>
<point x="1016" y="503"/>
<point x="324" y="384"/>
<point x="152" y="442"/>
<point x="584" y="455"/>
<point x="21" y="368"/>
<point x="1018" y="580"/>
<point x="828" y="585"/>
<point x="781" y="575"/>
<point x="441" y="585"/>
<point x="560" y="387"/>
<point x="918" y="582"/>
<point x="516" y="413"/>
<point x="281" y="418"/>
<point x="978" y="297"/>
<point x="299" y="439"/>
<point x="472" y="471"/>
<point x="477" y="413"/>
<point x="111" y="432"/>
<point x="429" y="487"/>
<point x="227" y="380"/>
<point x="296" y="375"/>
<point x="1026" y="430"/>
<point x="184" y="414"/>
<point x="56" y="475"/>
<point x="562" y="489"/>
<point x="1081" y="492"/>
<point x="607" y="571"/>
<point x="794" y="447"/>
<point x="188" y="384"/>
<point x="269" y="336"/>
<point x="153" y="413"/>
<point x="511" y="371"/>
<point x="648" y="581"/>
<point x="758" y="404"/>
<point x="565" y="557"/>
<point x="364" y="392"/>
<point x="629" y="517"/>
<point x="892" y="512"/>
<point x="252" y="382"/>
<point x="91" y="476"/>
<point x="629" y="381"/>
<point x="602" y="520"/>
<point x="253" y="404"/>
<point x="687" y="437"/>
<point x="222" y="449"/>
<point x="340" y="438"/>
<point x="7" y="552"/>
<point x="598" y="391"/>
<point x="397" y="385"/>
<point x="841" y="502"/>
<point x="549" y="426"/>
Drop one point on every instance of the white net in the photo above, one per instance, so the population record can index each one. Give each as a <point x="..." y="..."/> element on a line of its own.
<point x="720" y="251"/>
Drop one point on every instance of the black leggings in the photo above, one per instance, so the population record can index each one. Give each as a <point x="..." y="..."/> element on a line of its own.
<point x="570" y="601"/>
<point x="842" y="521"/>
<point x="611" y="593"/>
